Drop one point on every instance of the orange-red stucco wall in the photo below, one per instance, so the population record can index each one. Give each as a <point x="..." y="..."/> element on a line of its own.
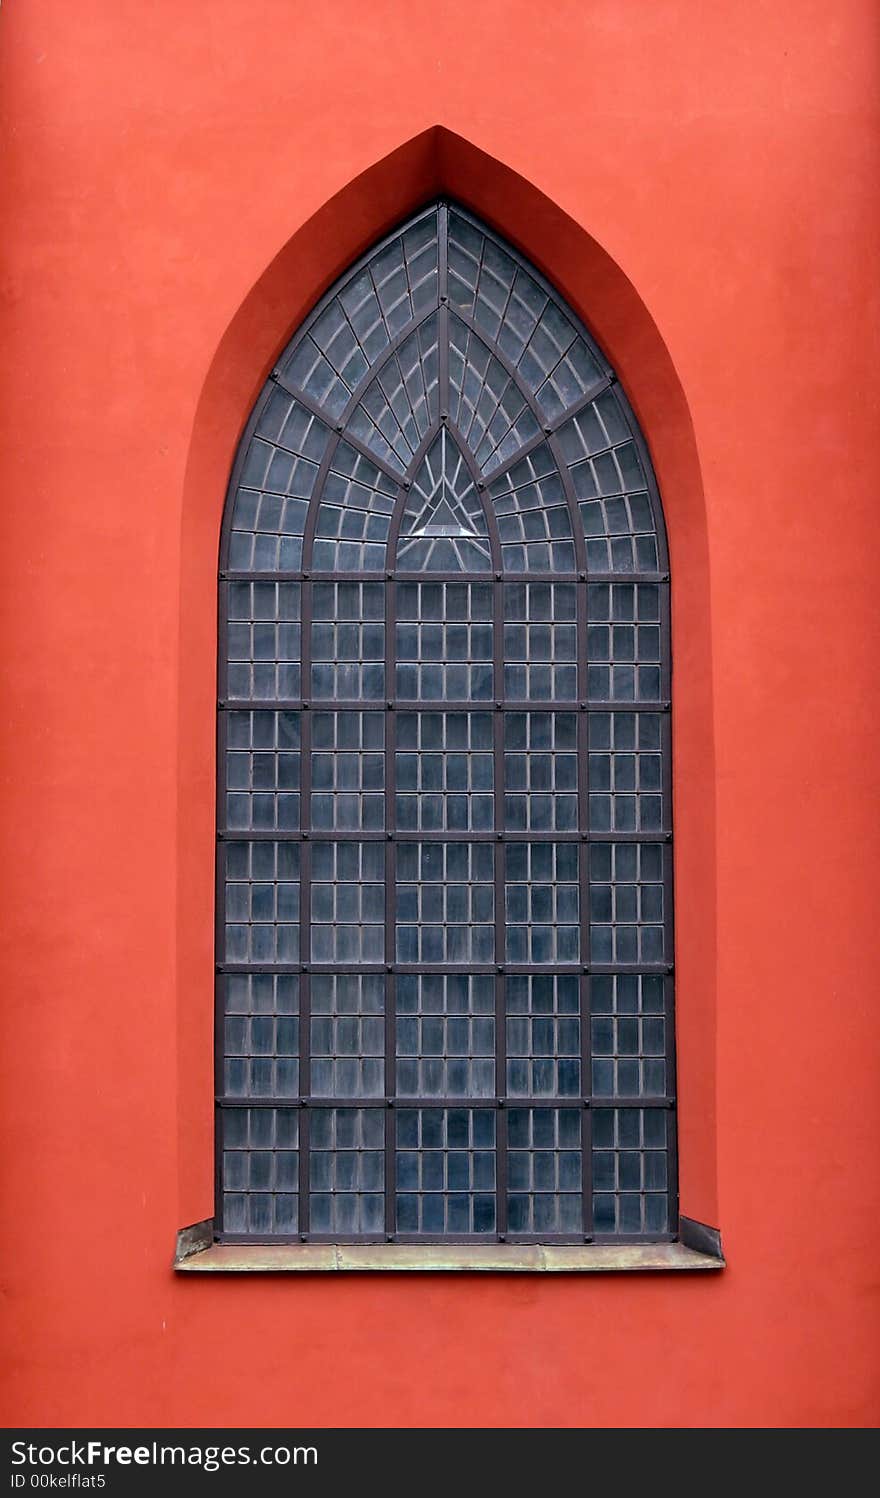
<point x="179" y="184"/>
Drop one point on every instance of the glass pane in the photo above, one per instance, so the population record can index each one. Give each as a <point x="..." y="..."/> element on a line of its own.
<point x="262" y="771"/>
<point x="534" y="524"/>
<point x="485" y="403"/>
<point x="348" y="902"/>
<point x="443" y="528"/>
<point x="542" y="902"/>
<point x="354" y="515"/>
<point x="445" y="1170"/>
<point x="276" y="483"/>
<point x="543" y="1035"/>
<point x="348" y="772"/>
<point x="400" y="405"/>
<point x="261" y="902"/>
<point x="444" y="772"/>
<point x="261" y="1034"/>
<point x="515" y="311"/>
<point x="540" y="642"/>
<point x="540" y="772"/>
<point x="627" y="903"/>
<point x="444" y="642"/>
<point x="544" y="1171"/>
<point x="626" y="772"/>
<point x="630" y="1170"/>
<point x="445" y="1035"/>
<point x="629" y="1036"/>
<point x="624" y="642"/>
<point x="346" y="1170"/>
<point x="347" y="1035"/>
<point x="348" y="641"/>
<point x="445" y="902"/>
<point x="263" y="644"/>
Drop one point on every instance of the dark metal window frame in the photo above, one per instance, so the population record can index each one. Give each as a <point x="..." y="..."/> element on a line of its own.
<point x="499" y="837"/>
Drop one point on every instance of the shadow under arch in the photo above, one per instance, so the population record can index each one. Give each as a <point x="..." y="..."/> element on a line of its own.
<point x="439" y="162"/>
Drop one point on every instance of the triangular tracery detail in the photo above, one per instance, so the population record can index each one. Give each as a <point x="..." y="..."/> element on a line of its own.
<point x="444" y="525"/>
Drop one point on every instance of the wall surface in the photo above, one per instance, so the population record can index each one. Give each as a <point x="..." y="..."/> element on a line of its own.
<point x="180" y="183"/>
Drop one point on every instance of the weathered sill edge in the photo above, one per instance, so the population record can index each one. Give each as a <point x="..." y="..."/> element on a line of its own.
<point x="590" y="1258"/>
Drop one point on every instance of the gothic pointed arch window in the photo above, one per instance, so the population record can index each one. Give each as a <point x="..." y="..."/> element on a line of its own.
<point x="444" y="867"/>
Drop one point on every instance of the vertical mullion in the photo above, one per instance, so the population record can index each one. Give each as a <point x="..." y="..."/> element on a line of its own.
<point x="443" y="314"/>
<point x="443" y="362"/>
<point x="443" y="251"/>
<point x="390" y="906"/>
<point x="500" y="932"/>
<point x="587" y="1169"/>
<point x="305" y="901"/>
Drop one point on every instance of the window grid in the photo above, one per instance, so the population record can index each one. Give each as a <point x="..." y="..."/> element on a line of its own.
<point x="528" y="1221"/>
<point x="557" y="1226"/>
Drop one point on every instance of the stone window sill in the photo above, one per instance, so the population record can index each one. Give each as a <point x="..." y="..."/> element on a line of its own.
<point x="507" y="1258"/>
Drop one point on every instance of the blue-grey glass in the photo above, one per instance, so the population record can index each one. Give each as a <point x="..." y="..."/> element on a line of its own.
<point x="624" y="642"/>
<point x="347" y="902"/>
<point x="262" y="771"/>
<point x="347" y="1035"/>
<point x="540" y="772"/>
<point x="444" y="772"/>
<point x="443" y="527"/>
<point x="630" y="1170"/>
<point x="346" y="1171"/>
<point x="276" y="484"/>
<point x="261" y="902"/>
<point x="511" y="309"/>
<point x="445" y="903"/>
<point x="260" y="1170"/>
<point x="544" y="1170"/>
<point x="486" y="405"/>
<point x="543" y="1035"/>
<point x="348" y="641"/>
<point x="399" y="405"/>
<point x="629" y="1037"/>
<point x="542" y="902"/>
<point x="348" y="772"/>
<point x="627" y="912"/>
<point x="626" y="772"/>
<point x="540" y="642"/>
<point x="609" y="482"/>
<point x="445" y="1164"/>
<point x="534" y="523"/>
<point x="444" y="642"/>
<point x="445" y="1035"/>
<point x="354" y="516"/>
<point x="263" y="641"/>
<point x="397" y="284"/>
<point x="261" y="1034"/>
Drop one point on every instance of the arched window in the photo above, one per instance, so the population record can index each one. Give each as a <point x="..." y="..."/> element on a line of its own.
<point x="444" y="868"/>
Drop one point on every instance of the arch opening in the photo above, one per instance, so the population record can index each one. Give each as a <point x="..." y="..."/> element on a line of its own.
<point x="592" y="282"/>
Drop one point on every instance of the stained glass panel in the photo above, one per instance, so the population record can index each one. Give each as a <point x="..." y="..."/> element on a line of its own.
<point x="444" y="872"/>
